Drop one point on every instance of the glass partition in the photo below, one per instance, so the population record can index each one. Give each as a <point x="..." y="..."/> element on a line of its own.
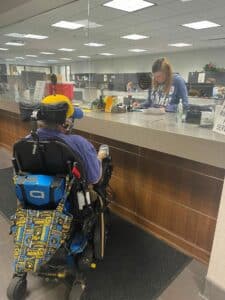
<point x="96" y="52"/>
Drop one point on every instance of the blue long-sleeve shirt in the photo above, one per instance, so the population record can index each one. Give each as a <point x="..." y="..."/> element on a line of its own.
<point x="86" y="150"/>
<point x="178" y="91"/>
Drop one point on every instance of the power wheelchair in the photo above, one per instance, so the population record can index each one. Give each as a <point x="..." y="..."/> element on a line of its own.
<point x="59" y="228"/>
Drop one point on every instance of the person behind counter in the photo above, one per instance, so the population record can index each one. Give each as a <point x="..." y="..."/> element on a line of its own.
<point x="167" y="88"/>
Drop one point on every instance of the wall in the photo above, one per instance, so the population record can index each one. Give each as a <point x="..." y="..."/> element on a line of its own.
<point x="183" y="62"/>
<point x="216" y="271"/>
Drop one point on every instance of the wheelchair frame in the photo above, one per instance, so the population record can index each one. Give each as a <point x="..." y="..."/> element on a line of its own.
<point x="91" y="219"/>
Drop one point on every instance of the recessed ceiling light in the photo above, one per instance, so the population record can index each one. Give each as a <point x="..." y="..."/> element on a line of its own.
<point x="15" y="43"/>
<point x="88" y="24"/>
<point x="84" y="56"/>
<point x="65" y="58"/>
<point x="36" y="36"/>
<point x="9" y="59"/>
<point x="134" y="37"/>
<point x="31" y="55"/>
<point x="180" y="45"/>
<point x="66" y="49"/>
<point x="27" y="36"/>
<point x="129" y="6"/>
<point x="16" y="35"/>
<point x="40" y="62"/>
<point x="137" y="50"/>
<point x="19" y="57"/>
<point x="201" y="25"/>
<point x="52" y="60"/>
<point x="47" y="53"/>
<point x="4" y="49"/>
<point x="94" y="45"/>
<point x="67" y="25"/>
<point x="106" y="54"/>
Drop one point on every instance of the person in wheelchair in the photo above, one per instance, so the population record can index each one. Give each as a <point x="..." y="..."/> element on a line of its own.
<point x="57" y="229"/>
<point x="50" y="129"/>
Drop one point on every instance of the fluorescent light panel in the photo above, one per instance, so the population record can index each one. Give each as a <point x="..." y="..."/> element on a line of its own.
<point x="31" y="55"/>
<point x="106" y="54"/>
<point x="88" y="24"/>
<point x="67" y="25"/>
<point x="180" y="45"/>
<point x="3" y="49"/>
<point x="94" y="44"/>
<point x="15" y="43"/>
<point x="84" y="56"/>
<point x="137" y="50"/>
<point x="65" y="58"/>
<point x="66" y="49"/>
<point x="134" y="37"/>
<point x="52" y="60"/>
<point x="36" y="36"/>
<point x="201" y="25"/>
<point x="27" y="36"/>
<point x="19" y="57"/>
<point x="15" y="35"/>
<point x="129" y="6"/>
<point x="47" y="53"/>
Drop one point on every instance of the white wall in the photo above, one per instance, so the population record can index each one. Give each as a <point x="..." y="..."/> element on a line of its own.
<point x="183" y="62"/>
<point x="216" y="271"/>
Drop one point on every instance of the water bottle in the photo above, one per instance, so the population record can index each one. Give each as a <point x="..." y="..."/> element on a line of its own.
<point x="180" y="111"/>
<point x="103" y="151"/>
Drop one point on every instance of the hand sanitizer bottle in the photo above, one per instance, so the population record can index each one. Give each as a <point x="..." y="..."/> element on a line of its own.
<point x="180" y="111"/>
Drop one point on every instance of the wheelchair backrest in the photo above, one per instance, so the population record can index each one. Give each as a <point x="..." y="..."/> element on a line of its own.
<point x="47" y="157"/>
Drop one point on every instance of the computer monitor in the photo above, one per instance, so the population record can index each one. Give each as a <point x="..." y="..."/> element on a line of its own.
<point x="78" y="95"/>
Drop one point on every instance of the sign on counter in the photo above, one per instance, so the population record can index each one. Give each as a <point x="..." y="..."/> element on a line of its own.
<point x="219" y="125"/>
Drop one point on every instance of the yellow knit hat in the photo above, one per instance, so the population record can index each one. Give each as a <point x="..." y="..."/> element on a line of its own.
<point x="55" y="99"/>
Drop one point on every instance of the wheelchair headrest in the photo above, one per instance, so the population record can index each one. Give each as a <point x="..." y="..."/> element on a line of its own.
<point x="53" y="113"/>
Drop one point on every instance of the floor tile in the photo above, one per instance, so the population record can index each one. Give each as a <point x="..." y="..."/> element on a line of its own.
<point x="186" y="286"/>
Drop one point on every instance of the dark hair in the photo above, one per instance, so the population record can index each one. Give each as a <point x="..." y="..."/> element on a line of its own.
<point x="163" y="65"/>
<point x="53" y="113"/>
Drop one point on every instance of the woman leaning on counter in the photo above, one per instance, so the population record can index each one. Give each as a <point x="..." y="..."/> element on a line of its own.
<point x="167" y="88"/>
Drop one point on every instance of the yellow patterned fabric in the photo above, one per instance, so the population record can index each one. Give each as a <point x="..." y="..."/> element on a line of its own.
<point x="37" y="236"/>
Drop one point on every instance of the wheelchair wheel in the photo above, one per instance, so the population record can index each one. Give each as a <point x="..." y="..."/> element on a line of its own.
<point x="17" y="288"/>
<point x="85" y="259"/>
<point x="99" y="238"/>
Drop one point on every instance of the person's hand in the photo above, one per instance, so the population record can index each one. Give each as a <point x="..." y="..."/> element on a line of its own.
<point x="101" y="155"/>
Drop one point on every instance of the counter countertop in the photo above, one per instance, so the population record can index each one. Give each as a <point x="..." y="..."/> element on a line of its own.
<point x="160" y="133"/>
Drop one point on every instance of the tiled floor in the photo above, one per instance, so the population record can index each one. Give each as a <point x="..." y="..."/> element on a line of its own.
<point x="187" y="286"/>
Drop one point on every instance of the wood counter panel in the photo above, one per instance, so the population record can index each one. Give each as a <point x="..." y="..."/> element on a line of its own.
<point x="173" y="198"/>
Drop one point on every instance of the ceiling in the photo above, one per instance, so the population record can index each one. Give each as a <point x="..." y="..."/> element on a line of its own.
<point x="160" y="22"/>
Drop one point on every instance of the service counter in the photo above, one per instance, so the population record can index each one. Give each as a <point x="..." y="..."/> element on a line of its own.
<point x="167" y="178"/>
